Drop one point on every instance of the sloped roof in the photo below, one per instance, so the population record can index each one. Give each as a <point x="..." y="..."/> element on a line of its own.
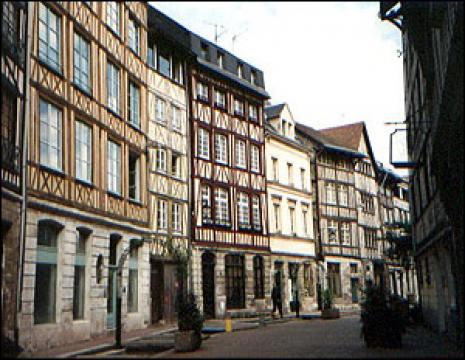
<point x="273" y="110"/>
<point x="346" y="135"/>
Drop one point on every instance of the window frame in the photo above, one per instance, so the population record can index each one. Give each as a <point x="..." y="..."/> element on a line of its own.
<point x="114" y="176"/>
<point x="222" y="215"/>
<point x="203" y="143"/>
<point x="113" y="17"/>
<point x="254" y="158"/>
<point x="88" y="163"/>
<point x="241" y="149"/>
<point x="79" y="73"/>
<point x="113" y="87"/>
<point x="46" y="57"/>
<point x="221" y="149"/>
<point x="134" y="104"/>
<point x="44" y="138"/>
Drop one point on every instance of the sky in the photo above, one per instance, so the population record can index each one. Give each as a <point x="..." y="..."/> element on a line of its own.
<point x="334" y="63"/>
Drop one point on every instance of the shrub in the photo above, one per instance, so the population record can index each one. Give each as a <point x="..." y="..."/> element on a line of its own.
<point x="327" y="300"/>
<point x="189" y="317"/>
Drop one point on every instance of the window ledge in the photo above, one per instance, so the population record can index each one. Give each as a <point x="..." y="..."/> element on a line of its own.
<point x="113" y="31"/>
<point x="115" y="195"/>
<point x="52" y="170"/>
<point x="113" y="112"/>
<point x="84" y="182"/>
<point x="203" y="100"/>
<point x="86" y="92"/>
<point x="135" y="127"/>
<point x="57" y="72"/>
<point x="135" y="202"/>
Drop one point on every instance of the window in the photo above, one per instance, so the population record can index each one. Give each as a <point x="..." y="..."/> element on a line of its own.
<point x="50" y="135"/>
<point x="176" y="165"/>
<point x="133" y="104"/>
<point x="290" y="177"/>
<point x="162" y="215"/>
<point x="160" y="111"/>
<point x="332" y="231"/>
<point x="345" y="233"/>
<point x="292" y="219"/>
<point x="114" y="167"/>
<point x="202" y="91"/>
<point x="10" y="158"/>
<point x="243" y="210"/>
<point x="305" y="219"/>
<point x="258" y="273"/>
<point x="222" y="206"/>
<point x="220" y="59"/>
<point x="343" y="195"/>
<point x="10" y="24"/>
<point x="79" y="277"/>
<point x="204" y="51"/>
<point x="238" y="107"/>
<point x="176" y="118"/>
<point x="334" y="279"/>
<point x="83" y="152"/>
<point x="164" y="63"/>
<point x="178" y="71"/>
<point x="277" y="217"/>
<point x="302" y="179"/>
<point x="331" y="193"/>
<point x="176" y="218"/>
<point x="49" y="37"/>
<point x="256" y="216"/>
<point x="308" y="279"/>
<point x="161" y="160"/>
<point x="133" y="35"/>
<point x="240" y="70"/>
<point x="113" y="87"/>
<point x="253" y="77"/>
<point x="234" y="281"/>
<point x="253" y="113"/>
<point x="220" y="99"/>
<point x="203" y="144"/>
<point x="255" y="158"/>
<point x="151" y="57"/>
<point x="134" y="177"/>
<point x="46" y="274"/>
<point x="81" y="62"/>
<point x="113" y="16"/>
<point x="133" y="280"/>
<point x="353" y="269"/>
<point x="240" y="154"/>
<point x="275" y="168"/>
<point x="206" y="204"/>
<point x="221" y="148"/>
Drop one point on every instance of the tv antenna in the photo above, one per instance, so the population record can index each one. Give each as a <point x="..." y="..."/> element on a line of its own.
<point x="217" y="35"/>
<point x="235" y="36"/>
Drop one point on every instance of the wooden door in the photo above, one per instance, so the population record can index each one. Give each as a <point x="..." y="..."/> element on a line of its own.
<point x="170" y="291"/>
<point x="156" y="290"/>
<point x="208" y="285"/>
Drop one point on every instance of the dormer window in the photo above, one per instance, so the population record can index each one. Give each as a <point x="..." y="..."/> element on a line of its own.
<point x="220" y="60"/>
<point x="253" y="77"/>
<point x="204" y="51"/>
<point x="240" y="70"/>
<point x="238" y="108"/>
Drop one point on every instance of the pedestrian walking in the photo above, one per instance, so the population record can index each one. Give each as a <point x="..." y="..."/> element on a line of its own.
<point x="276" y="298"/>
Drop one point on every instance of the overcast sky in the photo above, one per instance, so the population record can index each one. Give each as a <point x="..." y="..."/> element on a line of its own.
<point x="333" y="63"/>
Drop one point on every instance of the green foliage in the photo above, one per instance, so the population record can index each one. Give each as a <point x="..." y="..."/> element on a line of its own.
<point x="327" y="299"/>
<point x="189" y="317"/>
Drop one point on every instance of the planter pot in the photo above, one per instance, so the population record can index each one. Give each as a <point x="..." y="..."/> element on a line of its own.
<point x="330" y="314"/>
<point x="187" y="341"/>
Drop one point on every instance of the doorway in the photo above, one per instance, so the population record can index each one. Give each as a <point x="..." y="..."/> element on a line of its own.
<point x="208" y="284"/>
<point x="235" y="281"/>
<point x="112" y="286"/>
<point x="354" y="286"/>
<point x="156" y="290"/>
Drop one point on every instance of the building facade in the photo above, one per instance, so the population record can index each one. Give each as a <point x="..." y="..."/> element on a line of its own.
<point x="432" y="35"/>
<point x="290" y="209"/>
<point x="86" y="175"/>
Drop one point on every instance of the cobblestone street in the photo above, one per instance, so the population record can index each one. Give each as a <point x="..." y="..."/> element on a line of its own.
<point x="316" y="339"/>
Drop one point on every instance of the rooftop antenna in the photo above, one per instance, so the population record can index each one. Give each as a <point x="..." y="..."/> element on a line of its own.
<point x="235" y="36"/>
<point x="217" y="35"/>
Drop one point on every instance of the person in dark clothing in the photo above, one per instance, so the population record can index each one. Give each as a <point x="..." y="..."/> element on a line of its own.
<point x="276" y="298"/>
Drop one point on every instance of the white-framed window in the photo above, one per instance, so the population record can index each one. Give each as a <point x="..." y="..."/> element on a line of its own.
<point x="256" y="216"/>
<point x="243" y="210"/>
<point x="203" y="146"/>
<point x="133" y="104"/>
<point x="220" y="99"/>
<point x="255" y="158"/>
<point x="240" y="71"/>
<point x="275" y="169"/>
<point x="221" y="206"/>
<point x="49" y="37"/>
<point x="253" y="113"/>
<point x="303" y="176"/>
<point x="133" y="35"/>
<point x="176" y="121"/>
<point x="161" y="160"/>
<point x="240" y="154"/>
<point x="253" y="77"/>
<point x="292" y="219"/>
<point x="238" y="107"/>
<point x="164" y="62"/>
<point x="290" y="174"/>
<point x="176" y="217"/>
<point x="134" y="176"/>
<point x="277" y="217"/>
<point x="83" y="151"/>
<point x="113" y="82"/>
<point x="345" y="233"/>
<point x="160" y="111"/>
<point x="202" y="91"/>
<point x="81" y="62"/>
<point x="332" y="233"/>
<point x="114" y="167"/>
<point x="343" y="195"/>
<point x="50" y="135"/>
<point x="221" y="148"/>
<point x="113" y="15"/>
<point x="331" y="193"/>
<point x="305" y="219"/>
<point x="220" y="59"/>
<point x="206" y="204"/>
<point x="162" y="215"/>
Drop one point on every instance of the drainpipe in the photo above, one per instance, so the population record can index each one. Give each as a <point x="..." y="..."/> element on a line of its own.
<point x="25" y="126"/>
<point x="317" y="207"/>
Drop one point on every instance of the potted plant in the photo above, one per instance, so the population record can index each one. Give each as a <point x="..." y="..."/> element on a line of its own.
<point x="329" y="312"/>
<point x="190" y="323"/>
<point x="381" y="325"/>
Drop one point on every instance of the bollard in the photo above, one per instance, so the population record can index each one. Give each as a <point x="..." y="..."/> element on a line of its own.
<point x="228" y="323"/>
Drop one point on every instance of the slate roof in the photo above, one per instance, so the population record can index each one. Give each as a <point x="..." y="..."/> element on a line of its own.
<point x="346" y="135"/>
<point x="273" y="110"/>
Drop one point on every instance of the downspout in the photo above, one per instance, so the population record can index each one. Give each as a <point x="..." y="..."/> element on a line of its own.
<point x="24" y="149"/>
<point x="319" y="256"/>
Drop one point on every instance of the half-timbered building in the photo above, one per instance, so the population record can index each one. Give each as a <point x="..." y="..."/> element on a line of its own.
<point x="86" y="172"/>
<point x="290" y="211"/>
<point x="13" y="80"/>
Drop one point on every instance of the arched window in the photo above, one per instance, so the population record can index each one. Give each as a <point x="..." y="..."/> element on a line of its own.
<point x="258" y="277"/>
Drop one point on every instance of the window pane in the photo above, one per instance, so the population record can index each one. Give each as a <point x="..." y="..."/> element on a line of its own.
<point x="79" y="292"/>
<point x="132" y="290"/>
<point x="44" y="294"/>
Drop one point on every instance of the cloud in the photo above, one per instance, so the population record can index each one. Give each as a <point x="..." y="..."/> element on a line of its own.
<point x="333" y="63"/>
